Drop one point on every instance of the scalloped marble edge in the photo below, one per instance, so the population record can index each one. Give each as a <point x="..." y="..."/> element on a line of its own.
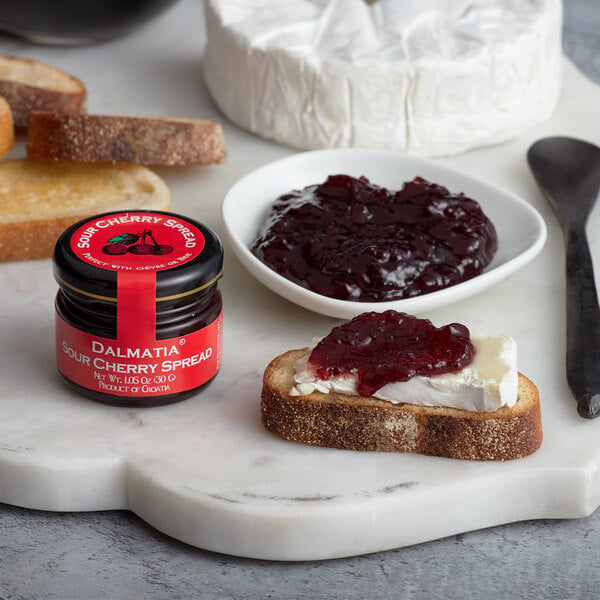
<point x="415" y="499"/>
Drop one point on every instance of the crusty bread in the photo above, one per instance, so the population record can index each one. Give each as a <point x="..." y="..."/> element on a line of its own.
<point x="40" y="199"/>
<point x="7" y="130"/>
<point x="125" y="139"/>
<point x="33" y="85"/>
<point x="356" y="423"/>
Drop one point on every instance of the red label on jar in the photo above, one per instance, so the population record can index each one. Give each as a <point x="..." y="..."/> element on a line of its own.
<point x="136" y="241"/>
<point x="156" y="369"/>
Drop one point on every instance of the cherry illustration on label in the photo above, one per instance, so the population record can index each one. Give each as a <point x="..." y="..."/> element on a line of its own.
<point x="135" y="243"/>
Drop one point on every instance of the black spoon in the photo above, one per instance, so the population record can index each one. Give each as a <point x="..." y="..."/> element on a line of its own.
<point x="568" y="173"/>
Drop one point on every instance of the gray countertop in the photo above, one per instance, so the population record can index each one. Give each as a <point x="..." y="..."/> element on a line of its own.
<point x="116" y="555"/>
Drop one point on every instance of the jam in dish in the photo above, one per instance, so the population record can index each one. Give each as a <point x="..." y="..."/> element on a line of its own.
<point x="391" y="346"/>
<point x="350" y="239"/>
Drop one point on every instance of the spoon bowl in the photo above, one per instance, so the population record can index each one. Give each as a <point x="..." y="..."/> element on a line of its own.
<point x="568" y="172"/>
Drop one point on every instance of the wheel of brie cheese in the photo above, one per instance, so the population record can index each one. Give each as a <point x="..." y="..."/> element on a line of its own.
<point x="430" y="77"/>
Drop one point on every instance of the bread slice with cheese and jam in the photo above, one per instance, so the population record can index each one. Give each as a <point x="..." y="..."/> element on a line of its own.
<point x="29" y="85"/>
<point x="482" y="411"/>
<point x="40" y="199"/>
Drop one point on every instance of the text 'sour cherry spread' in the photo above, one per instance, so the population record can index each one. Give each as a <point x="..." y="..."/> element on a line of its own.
<point x="350" y="239"/>
<point x="138" y="312"/>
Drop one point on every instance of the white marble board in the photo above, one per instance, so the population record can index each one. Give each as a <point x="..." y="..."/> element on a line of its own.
<point x="204" y="471"/>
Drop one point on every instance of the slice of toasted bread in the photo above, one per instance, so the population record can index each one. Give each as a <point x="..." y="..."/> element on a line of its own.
<point x="33" y="85"/>
<point x="40" y="199"/>
<point x="7" y="130"/>
<point x="125" y="139"/>
<point x="356" y="423"/>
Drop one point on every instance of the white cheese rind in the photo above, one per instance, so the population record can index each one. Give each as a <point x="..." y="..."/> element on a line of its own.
<point x="488" y="383"/>
<point x="425" y="76"/>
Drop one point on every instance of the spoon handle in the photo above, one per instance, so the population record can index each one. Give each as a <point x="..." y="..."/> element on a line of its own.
<point x="583" y="323"/>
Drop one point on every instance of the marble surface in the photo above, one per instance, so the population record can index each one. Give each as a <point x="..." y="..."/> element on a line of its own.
<point x="44" y="553"/>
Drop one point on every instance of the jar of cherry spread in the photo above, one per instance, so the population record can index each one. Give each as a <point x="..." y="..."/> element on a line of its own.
<point x="138" y="312"/>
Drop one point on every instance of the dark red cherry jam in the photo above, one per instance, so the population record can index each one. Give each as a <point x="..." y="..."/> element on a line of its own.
<point x="350" y="239"/>
<point x="391" y="346"/>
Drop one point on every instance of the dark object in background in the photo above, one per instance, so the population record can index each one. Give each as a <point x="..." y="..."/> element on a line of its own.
<point x="76" y="21"/>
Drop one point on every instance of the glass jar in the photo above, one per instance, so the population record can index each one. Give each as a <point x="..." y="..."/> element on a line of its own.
<point x="138" y="310"/>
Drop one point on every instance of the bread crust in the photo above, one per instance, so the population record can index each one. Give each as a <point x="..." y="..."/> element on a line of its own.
<point x="125" y="139"/>
<point x="40" y="199"/>
<point x="356" y="423"/>
<point x="7" y="130"/>
<point x="31" y="240"/>
<point x="21" y="85"/>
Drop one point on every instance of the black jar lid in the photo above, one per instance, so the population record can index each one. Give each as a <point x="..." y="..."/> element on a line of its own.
<point x="186" y="255"/>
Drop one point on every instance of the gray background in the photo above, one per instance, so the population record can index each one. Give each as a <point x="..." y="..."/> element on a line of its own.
<point x="116" y="555"/>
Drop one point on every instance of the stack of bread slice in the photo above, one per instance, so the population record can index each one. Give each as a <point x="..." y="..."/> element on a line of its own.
<point x="79" y="164"/>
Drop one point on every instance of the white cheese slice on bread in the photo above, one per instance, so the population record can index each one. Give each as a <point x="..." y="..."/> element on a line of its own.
<point x="488" y="383"/>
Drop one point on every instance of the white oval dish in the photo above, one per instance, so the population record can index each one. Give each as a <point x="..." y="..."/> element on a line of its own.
<point x="521" y="229"/>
